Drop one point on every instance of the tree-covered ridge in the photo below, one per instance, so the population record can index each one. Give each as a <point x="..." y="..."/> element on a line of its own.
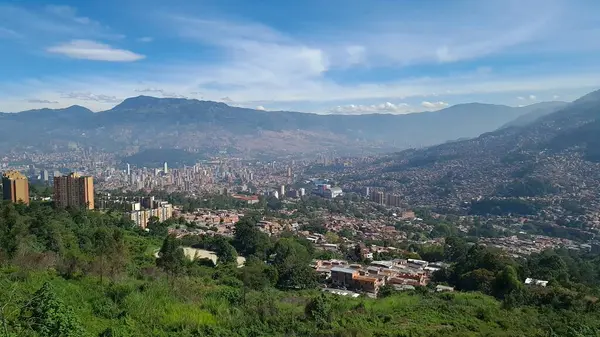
<point x="82" y="273"/>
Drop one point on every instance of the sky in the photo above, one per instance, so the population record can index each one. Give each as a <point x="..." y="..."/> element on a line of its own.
<point x="345" y="57"/>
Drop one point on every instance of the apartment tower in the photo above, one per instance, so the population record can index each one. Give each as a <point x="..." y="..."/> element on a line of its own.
<point x="74" y="190"/>
<point x="15" y="187"/>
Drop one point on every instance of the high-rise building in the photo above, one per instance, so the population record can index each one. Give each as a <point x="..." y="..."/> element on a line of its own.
<point x="74" y="190"/>
<point x="15" y="187"/>
<point x="378" y="197"/>
<point x="128" y="169"/>
<point x="44" y="176"/>
<point x="282" y="191"/>
<point x="393" y="200"/>
<point x="55" y="174"/>
<point x="289" y="172"/>
<point x="165" y="168"/>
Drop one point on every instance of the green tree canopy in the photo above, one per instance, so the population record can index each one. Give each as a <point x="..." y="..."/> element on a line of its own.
<point x="171" y="258"/>
<point x="48" y="316"/>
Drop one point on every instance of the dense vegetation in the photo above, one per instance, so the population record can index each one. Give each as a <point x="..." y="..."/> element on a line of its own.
<point x="513" y="206"/>
<point x="527" y="187"/>
<point x="81" y="273"/>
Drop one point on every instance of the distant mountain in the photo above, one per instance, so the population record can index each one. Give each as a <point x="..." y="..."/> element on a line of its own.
<point x="536" y="111"/>
<point x="156" y="158"/>
<point x="556" y="157"/>
<point x="145" y="122"/>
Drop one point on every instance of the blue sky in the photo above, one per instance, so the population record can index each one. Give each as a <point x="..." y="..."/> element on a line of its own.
<point x="329" y="56"/>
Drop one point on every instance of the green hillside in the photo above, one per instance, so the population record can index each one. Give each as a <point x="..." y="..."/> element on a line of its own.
<point x="80" y="273"/>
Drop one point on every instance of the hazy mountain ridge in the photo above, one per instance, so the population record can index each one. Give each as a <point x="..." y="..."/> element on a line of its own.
<point x="538" y="111"/>
<point x="561" y="149"/>
<point x="145" y="121"/>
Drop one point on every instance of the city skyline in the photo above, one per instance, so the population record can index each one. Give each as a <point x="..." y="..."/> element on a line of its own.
<point x="350" y="57"/>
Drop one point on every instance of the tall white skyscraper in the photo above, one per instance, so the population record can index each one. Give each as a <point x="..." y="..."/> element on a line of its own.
<point x="165" y="168"/>
<point x="282" y="190"/>
<point x="128" y="169"/>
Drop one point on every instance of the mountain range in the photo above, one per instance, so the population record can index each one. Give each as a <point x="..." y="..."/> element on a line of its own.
<point x="555" y="157"/>
<point x="145" y="122"/>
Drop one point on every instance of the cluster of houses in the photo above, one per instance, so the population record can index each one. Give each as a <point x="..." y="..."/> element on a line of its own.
<point x="402" y="274"/>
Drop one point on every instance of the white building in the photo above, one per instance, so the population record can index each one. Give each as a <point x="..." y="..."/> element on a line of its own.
<point x="534" y="282"/>
<point x="282" y="190"/>
<point x="332" y="192"/>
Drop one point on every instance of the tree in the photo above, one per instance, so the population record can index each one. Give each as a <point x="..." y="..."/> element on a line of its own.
<point x="507" y="282"/>
<point x="225" y="252"/>
<point x="386" y="291"/>
<point x="477" y="280"/>
<point x="257" y="275"/>
<point x="171" y="257"/>
<point x="156" y="227"/>
<point x="119" y="254"/>
<point x="547" y="265"/>
<point x="440" y="230"/>
<point x="319" y="309"/>
<point x="455" y="249"/>
<point x="331" y="237"/>
<point x="431" y="252"/>
<point x="354" y="254"/>
<point x="47" y="315"/>
<point x="248" y="240"/>
<point x="103" y="247"/>
<point x="292" y="263"/>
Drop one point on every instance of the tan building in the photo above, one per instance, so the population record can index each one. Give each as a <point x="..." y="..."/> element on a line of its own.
<point x="393" y="200"/>
<point x="74" y="190"/>
<point x="352" y="279"/>
<point x="162" y="211"/>
<point x="15" y="187"/>
<point x="378" y="197"/>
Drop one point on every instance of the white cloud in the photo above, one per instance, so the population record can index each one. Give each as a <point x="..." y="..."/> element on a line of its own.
<point x="309" y="94"/>
<point x="258" y="65"/>
<point x="254" y="54"/>
<point x="161" y="92"/>
<point x="88" y="96"/>
<point x="434" y="105"/>
<point x="555" y="97"/>
<point x="8" y="33"/>
<point x="70" y="13"/>
<point x="529" y="97"/>
<point x="387" y="107"/>
<point x="41" y="101"/>
<point x="260" y="107"/>
<point x="146" y="39"/>
<point x="91" y="50"/>
<point x="51" y="23"/>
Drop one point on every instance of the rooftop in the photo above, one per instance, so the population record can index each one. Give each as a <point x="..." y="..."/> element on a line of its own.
<point x="343" y="270"/>
<point x="13" y="175"/>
